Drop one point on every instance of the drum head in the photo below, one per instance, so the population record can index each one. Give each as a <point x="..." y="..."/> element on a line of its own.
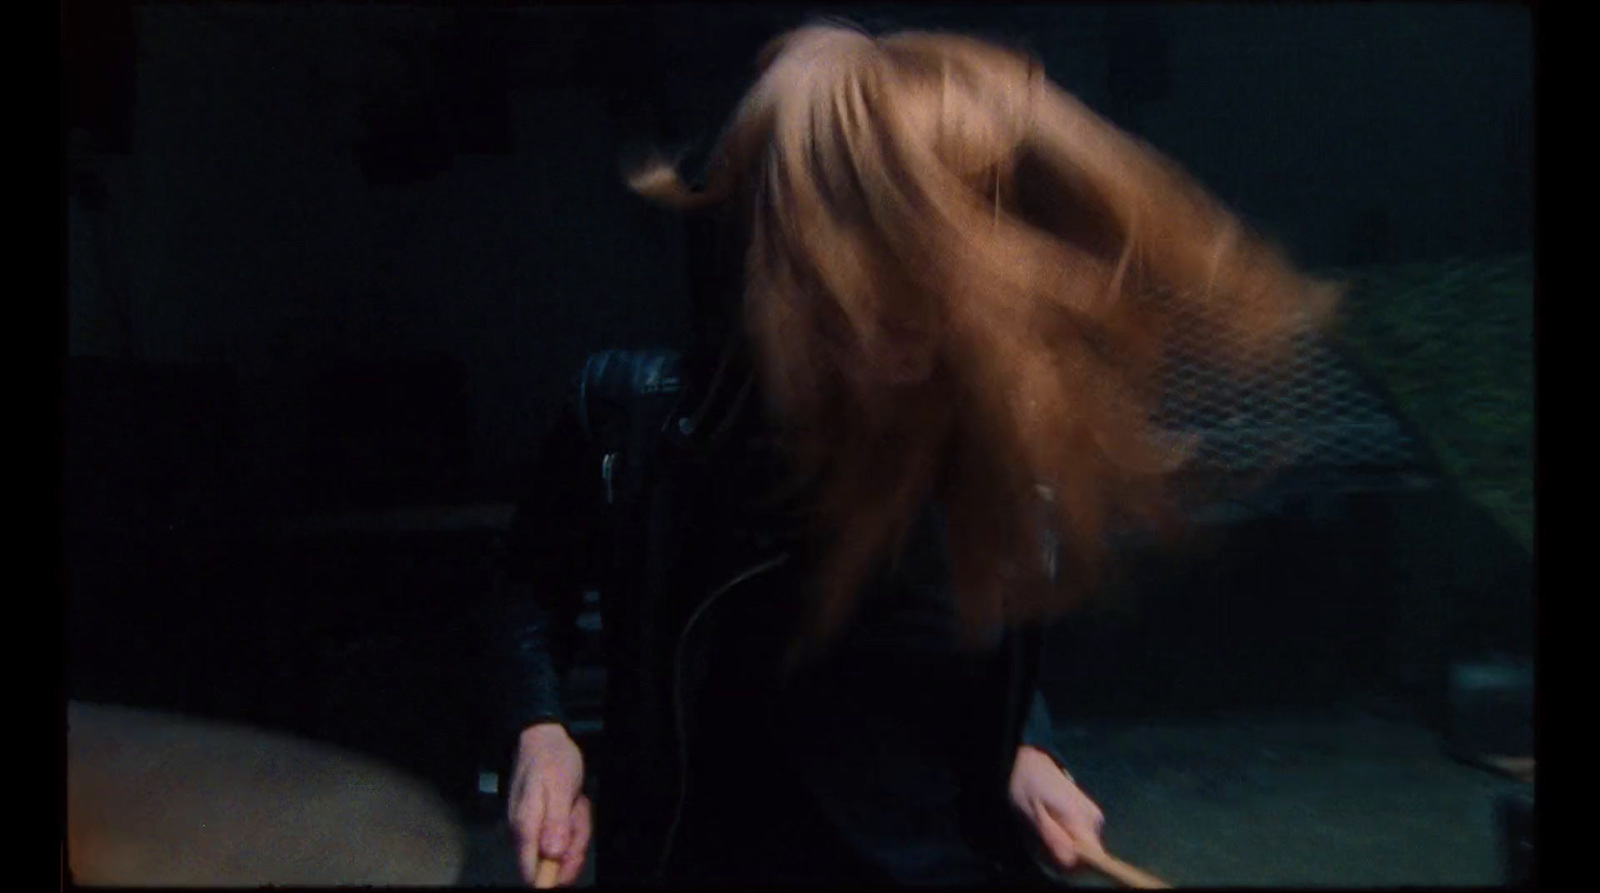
<point x="161" y="800"/>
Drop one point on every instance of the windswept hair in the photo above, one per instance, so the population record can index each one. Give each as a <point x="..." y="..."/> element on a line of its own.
<point x="958" y="286"/>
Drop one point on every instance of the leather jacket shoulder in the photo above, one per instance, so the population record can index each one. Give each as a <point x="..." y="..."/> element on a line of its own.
<point x="611" y="380"/>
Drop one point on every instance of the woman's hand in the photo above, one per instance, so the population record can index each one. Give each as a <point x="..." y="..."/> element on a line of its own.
<point x="549" y="814"/>
<point x="1067" y="821"/>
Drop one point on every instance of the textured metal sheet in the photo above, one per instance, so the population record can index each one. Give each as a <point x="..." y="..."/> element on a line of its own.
<point x="1315" y="411"/>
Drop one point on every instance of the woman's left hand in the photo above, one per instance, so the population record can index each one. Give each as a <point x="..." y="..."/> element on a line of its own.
<point x="1067" y="821"/>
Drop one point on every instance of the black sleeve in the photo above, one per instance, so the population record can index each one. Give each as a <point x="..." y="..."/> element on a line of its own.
<point x="547" y="561"/>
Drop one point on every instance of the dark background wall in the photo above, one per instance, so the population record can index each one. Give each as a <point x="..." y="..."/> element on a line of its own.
<point x="242" y="224"/>
<point x="328" y="256"/>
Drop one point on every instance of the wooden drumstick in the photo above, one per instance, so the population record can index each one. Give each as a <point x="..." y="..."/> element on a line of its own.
<point x="1122" y="872"/>
<point x="549" y="871"/>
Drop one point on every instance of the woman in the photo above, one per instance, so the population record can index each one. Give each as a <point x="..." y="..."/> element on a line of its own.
<point x="953" y="285"/>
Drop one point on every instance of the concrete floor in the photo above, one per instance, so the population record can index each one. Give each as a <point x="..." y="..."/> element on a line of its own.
<point x="1342" y="801"/>
<point x="1346" y="802"/>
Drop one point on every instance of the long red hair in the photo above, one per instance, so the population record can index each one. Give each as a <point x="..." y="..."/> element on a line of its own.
<point x="958" y="286"/>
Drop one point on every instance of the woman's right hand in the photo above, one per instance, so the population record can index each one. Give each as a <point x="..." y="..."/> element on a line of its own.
<point x="550" y="817"/>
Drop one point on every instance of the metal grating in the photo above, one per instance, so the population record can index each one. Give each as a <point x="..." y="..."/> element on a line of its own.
<point x="1316" y="411"/>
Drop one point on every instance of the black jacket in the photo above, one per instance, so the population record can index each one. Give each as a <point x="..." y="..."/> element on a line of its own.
<point x="643" y="491"/>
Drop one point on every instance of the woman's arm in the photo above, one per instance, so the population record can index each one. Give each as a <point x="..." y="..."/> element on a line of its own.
<point x="548" y="557"/>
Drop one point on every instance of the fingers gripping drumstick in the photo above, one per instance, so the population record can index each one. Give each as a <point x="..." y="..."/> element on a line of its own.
<point x="1097" y="859"/>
